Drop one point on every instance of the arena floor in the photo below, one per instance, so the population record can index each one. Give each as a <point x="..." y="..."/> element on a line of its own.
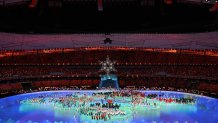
<point x="108" y="106"/>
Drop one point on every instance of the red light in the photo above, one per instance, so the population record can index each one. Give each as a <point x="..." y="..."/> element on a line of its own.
<point x="168" y="2"/>
<point x="214" y="8"/>
<point x="33" y="3"/>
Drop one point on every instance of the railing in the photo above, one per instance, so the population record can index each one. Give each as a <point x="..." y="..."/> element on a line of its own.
<point x="5" y="3"/>
<point x="197" y="1"/>
<point x="207" y="40"/>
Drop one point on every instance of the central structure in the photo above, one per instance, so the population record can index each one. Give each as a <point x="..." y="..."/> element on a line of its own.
<point x="108" y="79"/>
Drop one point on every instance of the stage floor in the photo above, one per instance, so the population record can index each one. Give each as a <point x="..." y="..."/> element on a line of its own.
<point x="108" y="106"/>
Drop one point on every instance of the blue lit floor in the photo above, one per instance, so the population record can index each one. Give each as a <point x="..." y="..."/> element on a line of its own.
<point x="80" y="107"/>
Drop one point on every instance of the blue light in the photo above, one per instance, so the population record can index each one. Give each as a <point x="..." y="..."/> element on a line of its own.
<point x="204" y="111"/>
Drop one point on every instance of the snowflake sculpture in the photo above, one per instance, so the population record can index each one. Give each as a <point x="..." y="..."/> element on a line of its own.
<point x="107" y="66"/>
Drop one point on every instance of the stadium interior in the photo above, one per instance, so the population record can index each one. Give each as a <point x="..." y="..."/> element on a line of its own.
<point x="194" y="70"/>
<point x="79" y="45"/>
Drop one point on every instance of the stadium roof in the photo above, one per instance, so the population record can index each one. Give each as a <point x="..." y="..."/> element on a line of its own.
<point x="9" y="41"/>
